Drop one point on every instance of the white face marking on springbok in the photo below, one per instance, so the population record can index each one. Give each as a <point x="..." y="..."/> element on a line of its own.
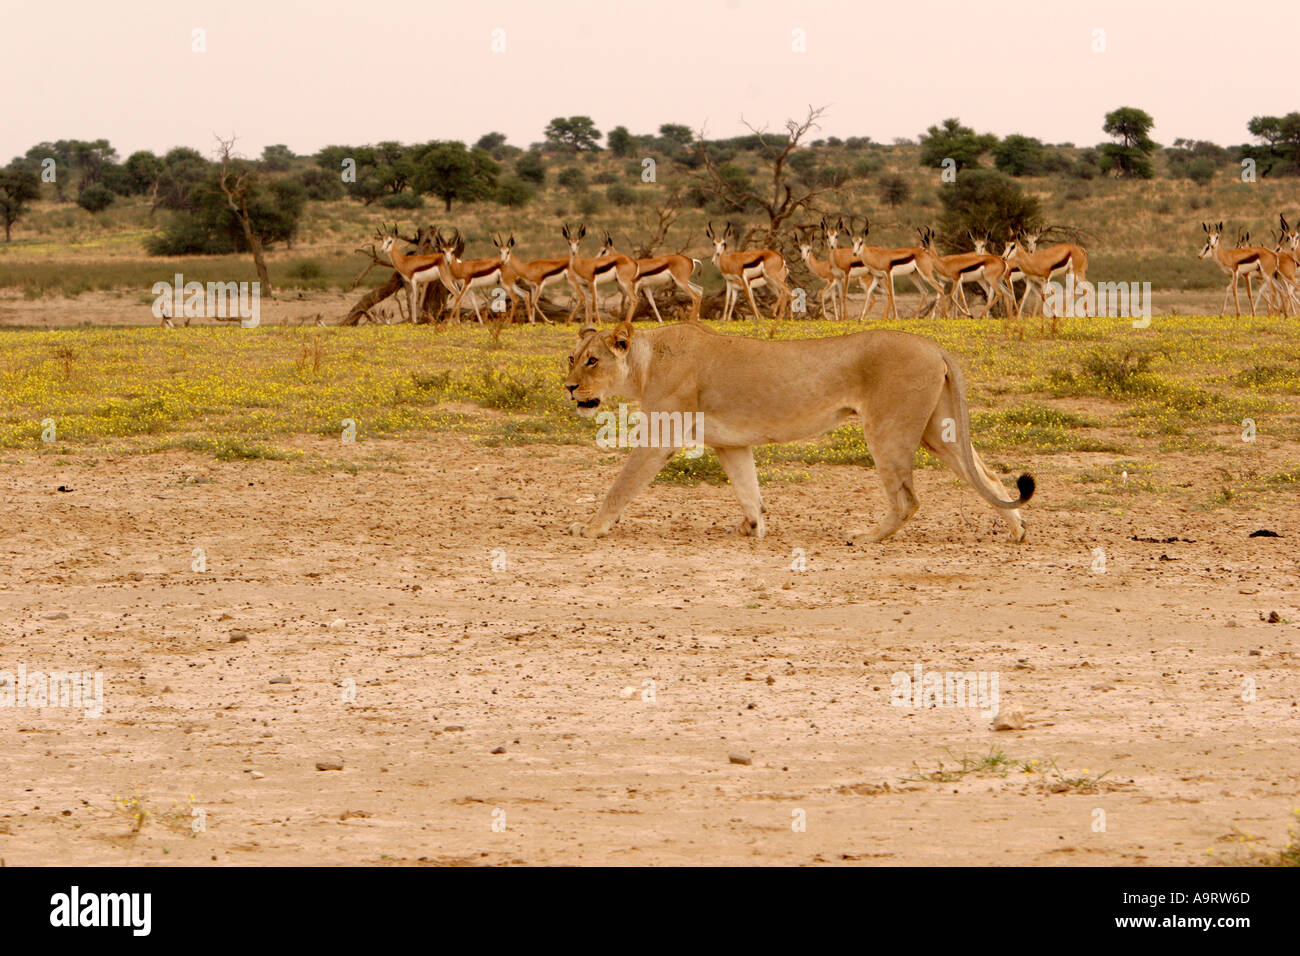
<point x="719" y="244"/>
<point x="504" y="247"/>
<point x="1211" y="240"/>
<point x="573" y="237"/>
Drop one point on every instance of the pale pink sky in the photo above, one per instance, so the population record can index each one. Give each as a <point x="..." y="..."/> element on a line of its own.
<point x="331" y="71"/>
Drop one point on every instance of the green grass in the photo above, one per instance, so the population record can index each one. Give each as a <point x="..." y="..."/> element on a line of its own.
<point x="1101" y="388"/>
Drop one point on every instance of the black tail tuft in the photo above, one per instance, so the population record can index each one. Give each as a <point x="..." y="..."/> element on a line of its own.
<point x="1025" y="485"/>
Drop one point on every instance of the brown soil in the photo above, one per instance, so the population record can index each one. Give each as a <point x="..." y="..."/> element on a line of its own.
<point x="383" y="583"/>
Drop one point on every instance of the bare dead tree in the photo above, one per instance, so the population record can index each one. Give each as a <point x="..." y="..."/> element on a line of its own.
<point x="779" y="200"/>
<point x="238" y="186"/>
<point x="654" y="223"/>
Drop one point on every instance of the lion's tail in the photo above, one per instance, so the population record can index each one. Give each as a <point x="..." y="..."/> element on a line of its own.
<point x="1024" y="484"/>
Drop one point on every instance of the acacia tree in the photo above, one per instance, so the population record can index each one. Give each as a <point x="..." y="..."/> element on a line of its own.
<point x="577" y="133"/>
<point x="1131" y="157"/>
<point x="1281" y="149"/>
<point x="451" y="172"/>
<point x="953" y="141"/>
<point x="18" y="187"/>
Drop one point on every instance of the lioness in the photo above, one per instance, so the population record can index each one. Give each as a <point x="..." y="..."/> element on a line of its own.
<point x="906" y="390"/>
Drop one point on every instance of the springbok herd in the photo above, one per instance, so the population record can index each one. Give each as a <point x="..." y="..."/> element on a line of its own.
<point x="940" y="279"/>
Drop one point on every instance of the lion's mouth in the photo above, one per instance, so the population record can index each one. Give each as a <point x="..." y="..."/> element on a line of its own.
<point x="589" y="403"/>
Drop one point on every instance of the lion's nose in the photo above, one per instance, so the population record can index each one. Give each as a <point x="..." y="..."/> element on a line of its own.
<point x="571" y="388"/>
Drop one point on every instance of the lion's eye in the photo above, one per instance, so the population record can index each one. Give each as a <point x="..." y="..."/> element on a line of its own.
<point x="592" y="360"/>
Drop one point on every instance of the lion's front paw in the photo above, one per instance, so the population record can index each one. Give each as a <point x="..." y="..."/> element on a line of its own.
<point x="751" y="528"/>
<point x="584" y="531"/>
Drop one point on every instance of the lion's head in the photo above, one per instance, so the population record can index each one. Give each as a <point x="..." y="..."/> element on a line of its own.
<point x="598" y="366"/>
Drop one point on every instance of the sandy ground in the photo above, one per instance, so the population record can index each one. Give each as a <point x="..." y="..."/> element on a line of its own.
<point x="497" y="692"/>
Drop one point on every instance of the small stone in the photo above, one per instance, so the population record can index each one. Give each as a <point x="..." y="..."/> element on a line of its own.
<point x="1011" y="718"/>
<point x="627" y="692"/>
<point x="743" y="759"/>
<point x="237" y="636"/>
<point x="328" y="765"/>
<point x="337" y="623"/>
<point x="258" y="776"/>
<point x="499" y="750"/>
<point x="452" y="728"/>
<point x="1255" y="652"/>
<point x="280" y="680"/>
<point x="55" y="616"/>
<point x="1273" y="617"/>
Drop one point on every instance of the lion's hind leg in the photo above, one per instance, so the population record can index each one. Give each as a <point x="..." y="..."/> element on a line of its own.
<point x="892" y="448"/>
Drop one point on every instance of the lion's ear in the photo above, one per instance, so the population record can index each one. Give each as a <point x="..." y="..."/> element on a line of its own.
<point x="622" y="337"/>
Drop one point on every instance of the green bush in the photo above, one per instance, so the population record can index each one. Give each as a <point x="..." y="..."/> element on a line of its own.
<point x="513" y="191"/>
<point x="402" y="201"/>
<point x="95" y="198"/>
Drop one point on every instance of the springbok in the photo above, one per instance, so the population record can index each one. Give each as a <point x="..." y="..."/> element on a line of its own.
<point x="911" y="261"/>
<point x="822" y="270"/>
<point x="747" y="270"/>
<point x="1249" y="262"/>
<point x="990" y="272"/>
<point x="530" y="279"/>
<point x="594" y="271"/>
<point x="1041" y="265"/>
<point x="415" y="271"/>
<point x="463" y="275"/>
<point x="658" y="271"/>
<point x="845" y="266"/>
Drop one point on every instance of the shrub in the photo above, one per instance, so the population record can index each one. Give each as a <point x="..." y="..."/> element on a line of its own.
<point x="894" y="190"/>
<point x="321" y="184"/>
<point x="95" y="198"/>
<point x="530" y="168"/>
<point x="402" y="201"/>
<point x="621" y="194"/>
<point x="308" y="270"/>
<point x="572" y="178"/>
<point x="987" y="203"/>
<point x="513" y="191"/>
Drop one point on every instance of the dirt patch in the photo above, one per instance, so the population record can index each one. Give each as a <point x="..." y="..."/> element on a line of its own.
<point x="497" y="692"/>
